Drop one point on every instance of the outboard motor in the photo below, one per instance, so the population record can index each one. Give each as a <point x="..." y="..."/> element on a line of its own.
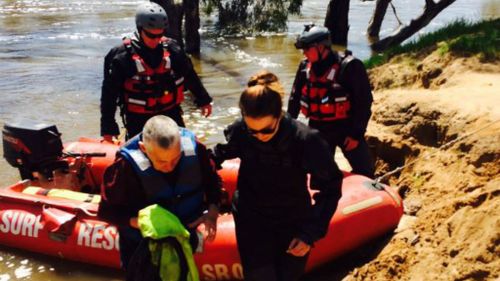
<point x="33" y="147"/>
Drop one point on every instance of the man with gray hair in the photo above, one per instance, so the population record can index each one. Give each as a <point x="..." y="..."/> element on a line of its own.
<point x="164" y="165"/>
<point x="161" y="143"/>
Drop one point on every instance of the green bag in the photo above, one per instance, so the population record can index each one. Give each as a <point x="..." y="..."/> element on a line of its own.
<point x="157" y="223"/>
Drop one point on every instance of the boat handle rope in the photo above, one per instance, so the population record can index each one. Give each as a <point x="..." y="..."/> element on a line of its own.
<point x="428" y="155"/>
<point x="73" y="208"/>
<point x="84" y="154"/>
<point x="85" y="211"/>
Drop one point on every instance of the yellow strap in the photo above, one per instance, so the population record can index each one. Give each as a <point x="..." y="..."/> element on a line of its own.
<point x="66" y="194"/>
<point x="31" y="190"/>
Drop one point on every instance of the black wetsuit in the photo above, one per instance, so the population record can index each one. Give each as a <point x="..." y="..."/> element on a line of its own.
<point x="355" y="80"/>
<point x="118" y="66"/>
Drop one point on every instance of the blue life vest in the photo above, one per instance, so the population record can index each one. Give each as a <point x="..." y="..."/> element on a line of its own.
<point x="185" y="198"/>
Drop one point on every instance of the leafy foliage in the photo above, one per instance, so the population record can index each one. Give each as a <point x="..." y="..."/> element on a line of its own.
<point x="252" y="16"/>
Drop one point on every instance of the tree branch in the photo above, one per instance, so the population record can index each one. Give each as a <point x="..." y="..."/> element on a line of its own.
<point x="431" y="10"/>
<point x="429" y="3"/>
<point x="377" y="18"/>
<point x="395" y="14"/>
<point x="337" y="21"/>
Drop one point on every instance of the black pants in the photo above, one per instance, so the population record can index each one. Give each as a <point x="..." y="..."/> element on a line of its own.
<point x="262" y="246"/>
<point x="135" y="122"/>
<point x="140" y="267"/>
<point x="359" y="158"/>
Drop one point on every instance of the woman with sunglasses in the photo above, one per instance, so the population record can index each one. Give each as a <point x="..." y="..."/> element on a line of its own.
<point x="276" y="223"/>
<point x="146" y="75"/>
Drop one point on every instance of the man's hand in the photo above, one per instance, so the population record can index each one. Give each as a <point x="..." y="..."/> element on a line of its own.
<point x="108" y="138"/>
<point x="298" y="248"/>
<point x="350" y="144"/>
<point x="134" y="222"/>
<point x="209" y="220"/>
<point x="206" y="110"/>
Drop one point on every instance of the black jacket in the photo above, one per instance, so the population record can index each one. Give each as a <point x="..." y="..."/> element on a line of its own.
<point x="353" y="78"/>
<point x="118" y="66"/>
<point x="272" y="179"/>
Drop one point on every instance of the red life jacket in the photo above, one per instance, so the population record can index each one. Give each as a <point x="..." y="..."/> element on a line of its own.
<point x="148" y="92"/>
<point x="323" y="98"/>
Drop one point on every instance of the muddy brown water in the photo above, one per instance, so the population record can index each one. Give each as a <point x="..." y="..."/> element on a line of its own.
<point x="51" y="55"/>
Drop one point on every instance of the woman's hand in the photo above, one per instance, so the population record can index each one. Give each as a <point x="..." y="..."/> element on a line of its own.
<point x="350" y="144"/>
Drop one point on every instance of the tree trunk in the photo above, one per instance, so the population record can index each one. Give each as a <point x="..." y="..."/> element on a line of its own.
<point x="337" y="21"/>
<point x="191" y="25"/>
<point x="431" y="10"/>
<point x="378" y="17"/>
<point x="175" y="13"/>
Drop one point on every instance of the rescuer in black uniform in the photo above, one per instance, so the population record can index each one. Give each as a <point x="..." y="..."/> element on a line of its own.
<point x="147" y="75"/>
<point x="276" y="224"/>
<point x="333" y="91"/>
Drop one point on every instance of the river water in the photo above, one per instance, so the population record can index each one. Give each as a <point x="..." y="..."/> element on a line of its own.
<point x="51" y="56"/>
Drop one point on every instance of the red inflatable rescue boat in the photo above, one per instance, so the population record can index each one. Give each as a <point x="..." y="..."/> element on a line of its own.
<point x="53" y="210"/>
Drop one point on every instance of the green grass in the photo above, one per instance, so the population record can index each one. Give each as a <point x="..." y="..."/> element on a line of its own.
<point x="460" y="37"/>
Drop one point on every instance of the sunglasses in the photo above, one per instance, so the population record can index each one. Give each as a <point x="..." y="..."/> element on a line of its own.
<point x="306" y="48"/>
<point x="152" y="35"/>
<point x="265" y="131"/>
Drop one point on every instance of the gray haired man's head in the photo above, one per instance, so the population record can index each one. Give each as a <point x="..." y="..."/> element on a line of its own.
<point x="161" y="130"/>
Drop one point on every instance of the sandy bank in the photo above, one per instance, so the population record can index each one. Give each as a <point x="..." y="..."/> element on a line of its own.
<point x="451" y="230"/>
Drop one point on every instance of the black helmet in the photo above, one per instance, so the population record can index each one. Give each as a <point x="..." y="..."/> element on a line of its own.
<point x="151" y="16"/>
<point x="313" y="35"/>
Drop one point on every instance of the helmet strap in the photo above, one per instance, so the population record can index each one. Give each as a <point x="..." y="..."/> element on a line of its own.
<point x="324" y="53"/>
<point x="319" y="52"/>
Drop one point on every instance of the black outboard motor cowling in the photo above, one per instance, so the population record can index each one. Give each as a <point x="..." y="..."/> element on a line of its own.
<point x="33" y="147"/>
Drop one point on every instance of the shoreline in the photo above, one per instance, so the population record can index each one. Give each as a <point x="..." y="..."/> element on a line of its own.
<point x="451" y="227"/>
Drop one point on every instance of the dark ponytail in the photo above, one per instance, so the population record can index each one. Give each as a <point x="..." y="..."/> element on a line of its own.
<point x="263" y="96"/>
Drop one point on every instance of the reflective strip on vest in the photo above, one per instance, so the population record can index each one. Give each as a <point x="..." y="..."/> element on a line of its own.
<point x="168" y="63"/>
<point x="139" y="66"/>
<point x="331" y="75"/>
<point x="179" y="81"/>
<point x="136" y="101"/>
<point x="140" y="159"/>
<point x="137" y="77"/>
<point x="187" y="146"/>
